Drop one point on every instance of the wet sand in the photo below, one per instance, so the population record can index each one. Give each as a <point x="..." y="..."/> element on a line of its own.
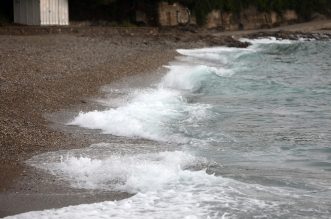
<point x="46" y="70"/>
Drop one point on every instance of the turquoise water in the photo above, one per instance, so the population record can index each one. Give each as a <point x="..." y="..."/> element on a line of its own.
<point x="276" y="106"/>
<point x="224" y="133"/>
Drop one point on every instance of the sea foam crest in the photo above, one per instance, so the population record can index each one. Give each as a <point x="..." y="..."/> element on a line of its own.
<point x="191" y="78"/>
<point x="130" y="173"/>
<point x="269" y="40"/>
<point x="221" y="55"/>
<point x="166" y="187"/>
<point x="151" y="112"/>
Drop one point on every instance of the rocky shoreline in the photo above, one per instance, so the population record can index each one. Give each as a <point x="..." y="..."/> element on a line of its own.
<point x="291" y="35"/>
<point x="46" y="70"/>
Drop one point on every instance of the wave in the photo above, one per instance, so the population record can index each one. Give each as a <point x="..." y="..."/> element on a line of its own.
<point x="154" y="113"/>
<point x="168" y="112"/>
<point x="221" y="56"/>
<point x="269" y="40"/>
<point x="191" y="78"/>
<point x="166" y="183"/>
<point x="129" y="173"/>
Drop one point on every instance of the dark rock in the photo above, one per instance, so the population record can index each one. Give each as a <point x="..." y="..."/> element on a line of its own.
<point x="290" y="35"/>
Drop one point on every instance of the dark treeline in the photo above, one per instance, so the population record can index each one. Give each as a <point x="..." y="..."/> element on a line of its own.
<point x="120" y="11"/>
<point x="124" y="10"/>
<point x="6" y="11"/>
<point x="304" y="8"/>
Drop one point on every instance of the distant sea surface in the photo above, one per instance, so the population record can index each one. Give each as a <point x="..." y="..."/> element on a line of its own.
<point x="224" y="133"/>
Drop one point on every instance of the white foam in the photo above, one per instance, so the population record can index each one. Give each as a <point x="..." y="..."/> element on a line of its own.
<point x="165" y="188"/>
<point x="303" y="39"/>
<point x="210" y="50"/>
<point x="269" y="40"/>
<point x="130" y="173"/>
<point x="151" y="113"/>
<point x="222" y="55"/>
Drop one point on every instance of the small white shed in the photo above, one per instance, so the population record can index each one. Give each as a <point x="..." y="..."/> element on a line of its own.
<point x="41" y="12"/>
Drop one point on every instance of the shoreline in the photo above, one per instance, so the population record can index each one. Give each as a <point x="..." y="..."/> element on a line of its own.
<point x="60" y="71"/>
<point x="47" y="73"/>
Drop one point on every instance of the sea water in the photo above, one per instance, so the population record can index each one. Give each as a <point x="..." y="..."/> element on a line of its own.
<point x="229" y="133"/>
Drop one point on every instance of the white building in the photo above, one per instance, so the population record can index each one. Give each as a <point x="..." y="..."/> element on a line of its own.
<point x="41" y="12"/>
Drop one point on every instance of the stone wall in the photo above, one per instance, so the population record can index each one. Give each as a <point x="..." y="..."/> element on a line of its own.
<point x="251" y="18"/>
<point x="290" y="16"/>
<point x="214" y="19"/>
<point x="173" y="14"/>
<point x="248" y="19"/>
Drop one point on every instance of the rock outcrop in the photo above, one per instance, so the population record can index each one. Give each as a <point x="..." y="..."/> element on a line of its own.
<point x="249" y="19"/>
<point x="173" y="14"/>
